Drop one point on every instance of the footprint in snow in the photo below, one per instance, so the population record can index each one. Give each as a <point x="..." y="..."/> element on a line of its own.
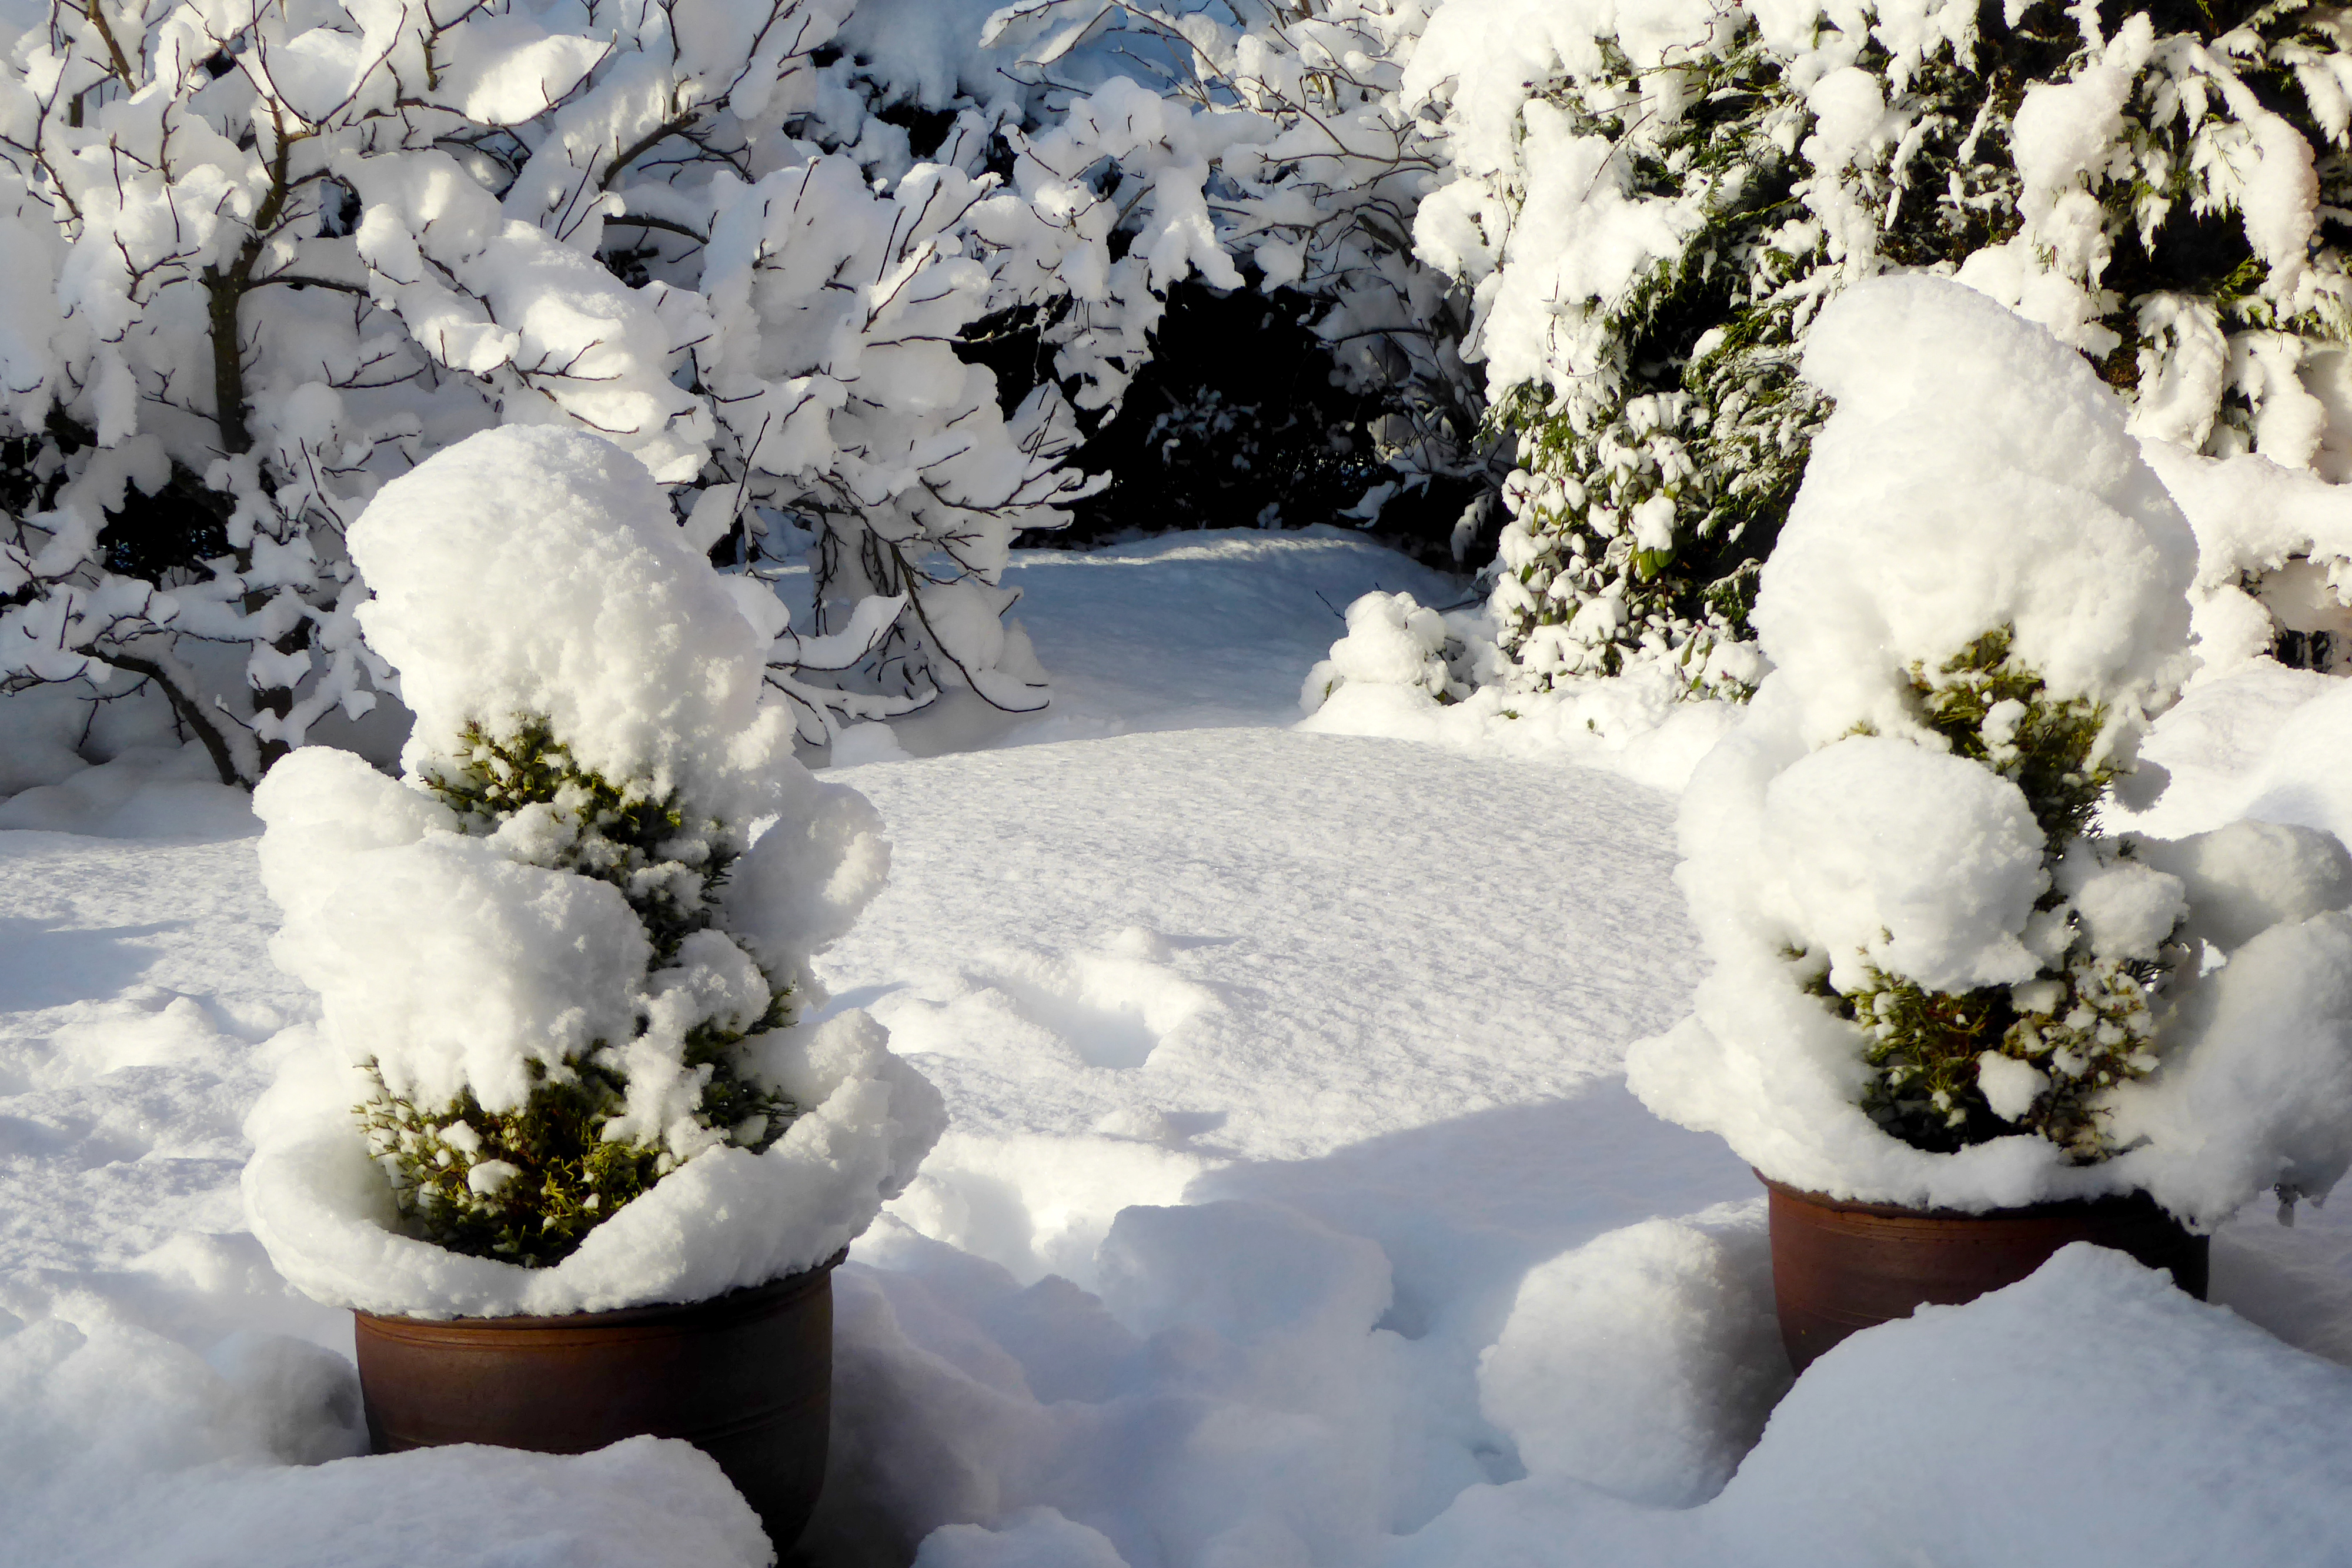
<point x="1112" y="1007"/>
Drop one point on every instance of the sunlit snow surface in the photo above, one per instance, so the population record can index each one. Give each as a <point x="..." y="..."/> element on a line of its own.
<point x="1284" y="1071"/>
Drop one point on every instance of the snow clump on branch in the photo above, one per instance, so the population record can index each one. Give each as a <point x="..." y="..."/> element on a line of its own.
<point x="266" y="258"/>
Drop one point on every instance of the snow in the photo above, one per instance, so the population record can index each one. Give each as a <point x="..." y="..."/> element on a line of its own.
<point x="1915" y="861"/>
<point x="141" y="792"/>
<point x="2155" y="1431"/>
<point x="493" y="567"/>
<point x="1941" y="503"/>
<point x="1391" y="640"/>
<point x="1139" y="996"/>
<point x="1389" y="676"/>
<point x="1669" y="1328"/>
<point x="1294" y="1209"/>
<point x="2278" y="530"/>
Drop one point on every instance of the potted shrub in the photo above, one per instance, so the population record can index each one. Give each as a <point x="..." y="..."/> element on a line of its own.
<point x="571" y="1137"/>
<point x="1953" y="1020"/>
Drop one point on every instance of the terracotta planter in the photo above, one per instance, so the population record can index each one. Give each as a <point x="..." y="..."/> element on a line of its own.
<point x="747" y="1377"/>
<point x="1838" y="1266"/>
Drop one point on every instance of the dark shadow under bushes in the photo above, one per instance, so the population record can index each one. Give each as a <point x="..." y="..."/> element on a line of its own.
<point x="1236" y="422"/>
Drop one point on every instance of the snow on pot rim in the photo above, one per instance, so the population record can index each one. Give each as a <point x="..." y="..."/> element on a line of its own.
<point x="726" y="1218"/>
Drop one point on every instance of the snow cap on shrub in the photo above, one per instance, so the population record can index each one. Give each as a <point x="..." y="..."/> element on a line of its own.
<point x="556" y="951"/>
<point x="537" y="571"/>
<point x="1392" y="640"/>
<point x="1914" y="859"/>
<point x="1975" y="475"/>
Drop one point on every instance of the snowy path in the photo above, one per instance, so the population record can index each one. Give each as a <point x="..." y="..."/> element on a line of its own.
<point x="1121" y="991"/>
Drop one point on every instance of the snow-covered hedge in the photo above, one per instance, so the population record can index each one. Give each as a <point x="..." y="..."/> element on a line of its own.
<point x="565" y="963"/>
<point x="266" y="257"/>
<point x="1651" y="204"/>
<point x="1935" y="981"/>
<point x="2273" y="558"/>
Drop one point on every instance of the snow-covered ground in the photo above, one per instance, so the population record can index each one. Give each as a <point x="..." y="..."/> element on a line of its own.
<point x="1293" y="1211"/>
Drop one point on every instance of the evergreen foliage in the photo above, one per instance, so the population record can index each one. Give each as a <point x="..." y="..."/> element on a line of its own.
<point x="624" y="835"/>
<point x="1661" y="446"/>
<point x="2088" y="1021"/>
<point x="1655" y="485"/>
<point x="1992" y="709"/>
<point x="527" y="1185"/>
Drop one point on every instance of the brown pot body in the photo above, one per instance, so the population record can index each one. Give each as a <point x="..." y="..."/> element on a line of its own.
<point x="747" y="1377"/>
<point x="1838" y="1266"/>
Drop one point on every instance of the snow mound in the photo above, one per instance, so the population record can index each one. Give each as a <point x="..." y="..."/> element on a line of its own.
<point x="125" y="1448"/>
<point x="2218" y="1435"/>
<point x="145" y="793"/>
<point x="2157" y="1431"/>
<point x="1645" y="1362"/>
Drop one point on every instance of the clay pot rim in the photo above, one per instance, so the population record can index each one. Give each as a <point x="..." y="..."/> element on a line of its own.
<point x="751" y="1297"/>
<point x="2136" y="1200"/>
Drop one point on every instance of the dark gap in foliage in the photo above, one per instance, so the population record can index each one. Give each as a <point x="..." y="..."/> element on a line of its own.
<point x="171" y="534"/>
<point x="1235" y="422"/>
<point x="925" y="128"/>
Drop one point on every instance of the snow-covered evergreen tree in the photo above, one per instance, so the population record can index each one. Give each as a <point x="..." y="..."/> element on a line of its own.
<point x="1651" y="206"/>
<point x="1938" y="978"/>
<point x="565" y="962"/>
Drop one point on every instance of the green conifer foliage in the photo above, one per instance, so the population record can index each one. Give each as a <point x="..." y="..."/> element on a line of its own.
<point x="1994" y="710"/>
<point x="528" y="1185"/>
<point x="1664" y="449"/>
<point x="2086" y="1022"/>
<point x="1636" y="528"/>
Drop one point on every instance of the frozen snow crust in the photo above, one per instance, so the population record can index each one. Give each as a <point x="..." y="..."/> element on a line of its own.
<point x="537" y="574"/>
<point x="1977" y="476"/>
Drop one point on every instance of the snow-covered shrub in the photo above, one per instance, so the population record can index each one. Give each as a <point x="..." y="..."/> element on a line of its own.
<point x="266" y="257"/>
<point x="1653" y="203"/>
<point x="259" y="260"/>
<point x="567" y="1062"/>
<point x="1938" y="981"/>
<point x="1391" y="640"/>
<point x="2273" y="558"/>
